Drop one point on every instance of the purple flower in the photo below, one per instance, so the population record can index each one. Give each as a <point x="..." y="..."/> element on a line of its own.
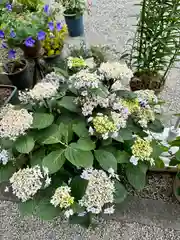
<point x="46" y="8"/>
<point x="125" y="110"/>
<point x="51" y="26"/>
<point x="59" y="26"/>
<point x="29" y="42"/>
<point x="4" y="45"/>
<point x="1" y="34"/>
<point x="9" y="6"/>
<point x="12" y="34"/>
<point x="12" y="54"/>
<point x="41" y="35"/>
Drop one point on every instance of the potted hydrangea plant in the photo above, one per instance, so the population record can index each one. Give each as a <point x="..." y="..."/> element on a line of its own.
<point x="24" y="30"/>
<point x="73" y="13"/>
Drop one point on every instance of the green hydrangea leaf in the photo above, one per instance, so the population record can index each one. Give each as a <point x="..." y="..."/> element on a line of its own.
<point x="42" y="120"/>
<point x="25" y="144"/>
<point x="106" y="159"/>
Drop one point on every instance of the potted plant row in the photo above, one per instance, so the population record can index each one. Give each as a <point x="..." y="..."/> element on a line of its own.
<point x="29" y="31"/>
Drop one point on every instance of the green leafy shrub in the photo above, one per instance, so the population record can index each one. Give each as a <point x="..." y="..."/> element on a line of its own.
<point x="72" y="136"/>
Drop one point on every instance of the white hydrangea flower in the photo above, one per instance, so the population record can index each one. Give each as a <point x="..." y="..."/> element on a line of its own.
<point x="84" y="80"/>
<point x="112" y="174"/>
<point x="68" y="213"/>
<point x="62" y="197"/>
<point x="109" y="210"/>
<point x="147" y="95"/>
<point x="4" y="156"/>
<point x="54" y="78"/>
<point x="46" y="89"/>
<point x="14" y="122"/>
<point x="116" y="70"/>
<point x="90" y="102"/>
<point x="134" y="160"/>
<point x="100" y="190"/>
<point x="26" y="182"/>
<point x="119" y="119"/>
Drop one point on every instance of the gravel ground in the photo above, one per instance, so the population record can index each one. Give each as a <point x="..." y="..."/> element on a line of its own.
<point x="14" y="228"/>
<point x="109" y="24"/>
<point x="159" y="187"/>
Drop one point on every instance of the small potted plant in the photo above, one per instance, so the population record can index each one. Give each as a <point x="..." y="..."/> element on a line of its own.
<point x="25" y="30"/>
<point x="54" y="41"/>
<point x="73" y="13"/>
<point x="17" y="71"/>
<point x="156" y="44"/>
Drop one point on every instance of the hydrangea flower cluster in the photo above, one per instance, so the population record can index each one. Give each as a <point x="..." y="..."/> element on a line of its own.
<point x="76" y="62"/>
<point x="100" y="191"/>
<point x="62" y="197"/>
<point x="141" y="111"/>
<point x="88" y="103"/>
<point x="84" y="80"/>
<point x="26" y="182"/>
<point x="4" y="156"/>
<point x="14" y="122"/>
<point x="46" y="89"/>
<point x="104" y="126"/>
<point x="147" y="96"/>
<point x="116" y="70"/>
<point x="141" y="151"/>
<point x="41" y="91"/>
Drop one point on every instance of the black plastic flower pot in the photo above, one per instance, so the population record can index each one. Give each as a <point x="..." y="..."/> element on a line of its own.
<point x="32" y="52"/>
<point x="20" y="77"/>
<point x="75" y="24"/>
<point x="8" y="94"/>
<point x="52" y="59"/>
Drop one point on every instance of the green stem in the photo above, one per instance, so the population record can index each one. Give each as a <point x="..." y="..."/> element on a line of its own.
<point x="142" y="31"/>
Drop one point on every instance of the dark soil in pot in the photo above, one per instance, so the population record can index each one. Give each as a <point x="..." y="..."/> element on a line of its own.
<point x="145" y="80"/>
<point x="8" y="94"/>
<point x="19" y="75"/>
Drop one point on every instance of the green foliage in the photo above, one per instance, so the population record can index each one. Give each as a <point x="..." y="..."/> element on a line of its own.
<point x="78" y="157"/>
<point x="69" y="148"/>
<point x="156" y="43"/>
<point x="42" y="120"/>
<point x="25" y="144"/>
<point x="54" y="160"/>
<point x="136" y="175"/>
<point x="31" y="5"/>
<point x="6" y="172"/>
<point x="106" y="159"/>
<point x="120" y="193"/>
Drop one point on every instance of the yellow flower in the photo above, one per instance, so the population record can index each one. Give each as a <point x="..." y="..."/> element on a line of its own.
<point x="51" y="52"/>
<point x="142" y="149"/>
<point x="103" y="125"/>
<point x="131" y="105"/>
<point x="62" y="197"/>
